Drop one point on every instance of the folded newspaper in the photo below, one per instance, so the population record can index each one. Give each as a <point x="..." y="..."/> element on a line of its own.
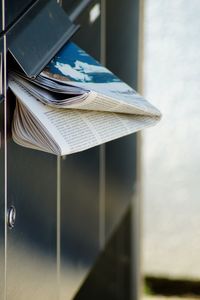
<point x="75" y="104"/>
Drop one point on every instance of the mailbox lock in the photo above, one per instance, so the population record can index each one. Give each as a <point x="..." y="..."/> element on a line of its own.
<point x="11" y="216"/>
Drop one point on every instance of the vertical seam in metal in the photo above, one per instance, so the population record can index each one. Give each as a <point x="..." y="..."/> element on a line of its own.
<point x="102" y="209"/>
<point x="5" y="157"/>
<point x="58" y="217"/>
<point x="5" y="146"/>
<point x="58" y="227"/>
<point x="103" y="32"/>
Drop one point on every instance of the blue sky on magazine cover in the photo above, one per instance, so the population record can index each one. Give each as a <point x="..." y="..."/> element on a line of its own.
<point x="78" y="66"/>
<point x="80" y="69"/>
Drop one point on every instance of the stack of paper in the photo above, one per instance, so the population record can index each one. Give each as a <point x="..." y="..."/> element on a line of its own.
<point x="75" y="104"/>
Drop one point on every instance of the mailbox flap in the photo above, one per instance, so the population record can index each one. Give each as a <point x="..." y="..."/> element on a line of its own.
<point x="39" y="35"/>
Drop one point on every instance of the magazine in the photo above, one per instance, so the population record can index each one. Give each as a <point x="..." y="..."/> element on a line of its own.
<point x="75" y="104"/>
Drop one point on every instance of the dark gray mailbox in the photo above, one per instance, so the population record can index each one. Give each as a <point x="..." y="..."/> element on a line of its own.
<point x="65" y="222"/>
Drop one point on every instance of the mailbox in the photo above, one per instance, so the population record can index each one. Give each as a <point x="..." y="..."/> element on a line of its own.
<point x="66" y="222"/>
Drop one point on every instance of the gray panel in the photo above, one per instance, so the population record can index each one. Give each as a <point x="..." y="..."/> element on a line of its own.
<point x="79" y="219"/>
<point x="110" y="276"/>
<point x="33" y="246"/>
<point x="2" y="207"/>
<point x="121" y="58"/>
<point x="36" y="38"/>
<point x="1" y="21"/>
<point x="75" y="7"/>
<point x="80" y="193"/>
<point x="88" y="36"/>
<point x="13" y="10"/>
<point x="120" y="180"/>
<point x="1" y="75"/>
<point x="122" y="39"/>
<point x="31" y="255"/>
<point x="122" y="36"/>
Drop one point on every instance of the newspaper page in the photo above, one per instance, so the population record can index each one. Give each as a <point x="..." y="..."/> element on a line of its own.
<point x="65" y="131"/>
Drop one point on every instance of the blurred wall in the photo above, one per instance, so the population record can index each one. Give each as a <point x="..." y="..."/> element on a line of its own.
<point x="171" y="152"/>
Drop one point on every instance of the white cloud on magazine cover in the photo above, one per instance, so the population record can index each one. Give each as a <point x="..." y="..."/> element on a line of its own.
<point x="67" y="70"/>
<point x="87" y="68"/>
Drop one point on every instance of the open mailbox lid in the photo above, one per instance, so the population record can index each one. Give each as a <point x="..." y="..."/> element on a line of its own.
<point x="39" y="35"/>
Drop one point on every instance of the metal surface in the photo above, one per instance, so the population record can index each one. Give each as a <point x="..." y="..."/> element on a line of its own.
<point x="80" y="193"/>
<point x="1" y="74"/>
<point x="121" y="154"/>
<point x="13" y="9"/>
<point x="72" y="235"/>
<point x="120" y="179"/>
<point x="79" y="219"/>
<point x="117" y="171"/>
<point x="75" y="7"/>
<point x="32" y="243"/>
<point x="5" y="122"/>
<point x="2" y="206"/>
<point x="110" y="276"/>
<point x="40" y="35"/>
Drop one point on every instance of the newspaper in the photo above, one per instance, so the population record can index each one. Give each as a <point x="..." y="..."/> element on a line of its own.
<point x="75" y="104"/>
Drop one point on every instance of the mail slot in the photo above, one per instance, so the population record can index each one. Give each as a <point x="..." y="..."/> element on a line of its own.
<point x="71" y="234"/>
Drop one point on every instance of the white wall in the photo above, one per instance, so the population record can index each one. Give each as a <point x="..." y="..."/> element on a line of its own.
<point x="171" y="169"/>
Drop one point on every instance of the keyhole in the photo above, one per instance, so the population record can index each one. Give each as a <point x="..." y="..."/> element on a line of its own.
<point x="11" y="216"/>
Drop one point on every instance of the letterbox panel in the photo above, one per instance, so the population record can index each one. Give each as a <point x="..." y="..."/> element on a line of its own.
<point x="121" y="46"/>
<point x="74" y="6"/>
<point x="1" y="74"/>
<point x="2" y="204"/>
<point x="32" y="243"/>
<point x="120" y="180"/>
<point x="110" y="277"/>
<point x="79" y="219"/>
<point x="13" y="10"/>
<point x="80" y="192"/>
